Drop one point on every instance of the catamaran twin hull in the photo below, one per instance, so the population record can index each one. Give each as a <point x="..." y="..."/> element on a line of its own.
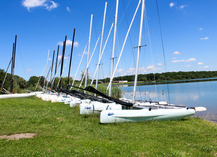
<point x="22" y="95"/>
<point x="97" y="107"/>
<point x="116" y="116"/>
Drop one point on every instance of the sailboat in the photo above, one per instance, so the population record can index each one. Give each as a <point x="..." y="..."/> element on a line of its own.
<point x="96" y="106"/>
<point x="146" y="110"/>
<point x="12" y="63"/>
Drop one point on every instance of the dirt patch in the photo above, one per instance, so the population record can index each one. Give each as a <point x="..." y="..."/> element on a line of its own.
<point x="60" y="119"/>
<point x="18" y="136"/>
<point x="140" y="154"/>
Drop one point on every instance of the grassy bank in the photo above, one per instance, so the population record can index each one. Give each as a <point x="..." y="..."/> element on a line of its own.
<point x="61" y="131"/>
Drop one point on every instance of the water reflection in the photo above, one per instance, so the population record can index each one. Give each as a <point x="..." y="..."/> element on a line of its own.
<point x="188" y="94"/>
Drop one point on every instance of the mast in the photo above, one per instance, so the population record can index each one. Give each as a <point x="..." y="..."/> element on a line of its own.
<point x="100" y="49"/>
<point x="63" y="54"/>
<point x="113" y="49"/>
<point x="110" y="83"/>
<point x="13" y="63"/>
<point x="51" y="73"/>
<point x="85" y="72"/>
<point x="46" y="69"/>
<point x="139" y="48"/>
<point x="71" y="58"/>
<point x="55" y="67"/>
<point x="102" y="53"/>
<point x="79" y="65"/>
<point x="91" y="20"/>
<point x="52" y="65"/>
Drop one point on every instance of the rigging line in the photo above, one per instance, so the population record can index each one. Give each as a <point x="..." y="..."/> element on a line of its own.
<point x="109" y="85"/>
<point x="129" y="33"/>
<point x="152" y="58"/>
<point x="85" y="72"/>
<point x="95" y="27"/>
<point x="53" y="80"/>
<point x="63" y="70"/>
<point x="46" y="67"/>
<point x="6" y="73"/>
<point x="40" y="77"/>
<point x="79" y="65"/>
<point x="124" y="14"/>
<point x="162" y="43"/>
<point x="102" y="53"/>
<point x="47" y="77"/>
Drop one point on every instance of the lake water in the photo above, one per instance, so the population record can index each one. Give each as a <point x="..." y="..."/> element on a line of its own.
<point x="188" y="94"/>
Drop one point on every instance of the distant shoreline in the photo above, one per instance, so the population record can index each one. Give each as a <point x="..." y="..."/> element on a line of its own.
<point x="166" y="82"/>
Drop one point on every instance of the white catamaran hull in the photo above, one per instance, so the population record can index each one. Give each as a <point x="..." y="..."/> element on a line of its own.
<point x="116" y="116"/>
<point x="21" y="95"/>
<point x="96" y="107"/>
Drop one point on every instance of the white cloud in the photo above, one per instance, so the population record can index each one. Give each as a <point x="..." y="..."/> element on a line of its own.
<point x="174" y="58"/>
<point x="152" y="68"/>
<point x="182" y="60"/>
<point x="191" y="60"/>
<point x="131" y="71"/>
<point x="28" y="70"/>
<point x="182" y="6"/>
<point x="206" y="67"/>
<point x="200" y="29"/>
<point x="205" y="38"/>
<point x="200" y="63"/>
<point x="53" y="5"/>
<point x="76" y="44"/>
<point x="48" y="4"/>
<point x="159" y="64"/>
<point x="119" y="70"/>
<point x="176" y="53"/>
<point x="142" y="70"/>
<point x="60" y="57"/>
<point x="68" y="9"/>
<point x="177" y="61"/>
<point x="69" y="43"/>
<point x="172" y="5"/>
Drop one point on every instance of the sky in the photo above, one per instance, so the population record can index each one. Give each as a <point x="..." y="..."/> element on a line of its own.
<point x="188" y="28"/>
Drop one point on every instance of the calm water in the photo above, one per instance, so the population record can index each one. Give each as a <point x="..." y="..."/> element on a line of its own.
<point x="188" y="94"/>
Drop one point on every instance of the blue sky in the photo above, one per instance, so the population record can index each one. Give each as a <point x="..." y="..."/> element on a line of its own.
<point x="189" y="33"/>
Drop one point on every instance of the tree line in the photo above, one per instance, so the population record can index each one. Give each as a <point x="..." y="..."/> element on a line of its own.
<point x="168" y="76"/>
<point x="21" y="85"/>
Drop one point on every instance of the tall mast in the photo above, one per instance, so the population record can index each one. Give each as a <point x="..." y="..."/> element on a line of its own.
<point x="100" y="49"/>
<point x="63" y="55"/>
<point x="71" y="58"/>
<point x="122" y="49"/>
<point x="139" y="48"/>
<point x="13" y="63"/>
<point x="113" y="49"/>
<point x="51" y="74"/>
<point x="55" y="67"/>
<point x="88" y="53"/>
<point x="46" y="69"/>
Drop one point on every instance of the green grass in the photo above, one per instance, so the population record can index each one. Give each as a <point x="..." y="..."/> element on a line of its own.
<point x="61" y="131"/>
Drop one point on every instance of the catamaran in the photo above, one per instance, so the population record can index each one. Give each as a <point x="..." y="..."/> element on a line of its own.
<point x="11" y="94"/>
<point x="144" y="111"/>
